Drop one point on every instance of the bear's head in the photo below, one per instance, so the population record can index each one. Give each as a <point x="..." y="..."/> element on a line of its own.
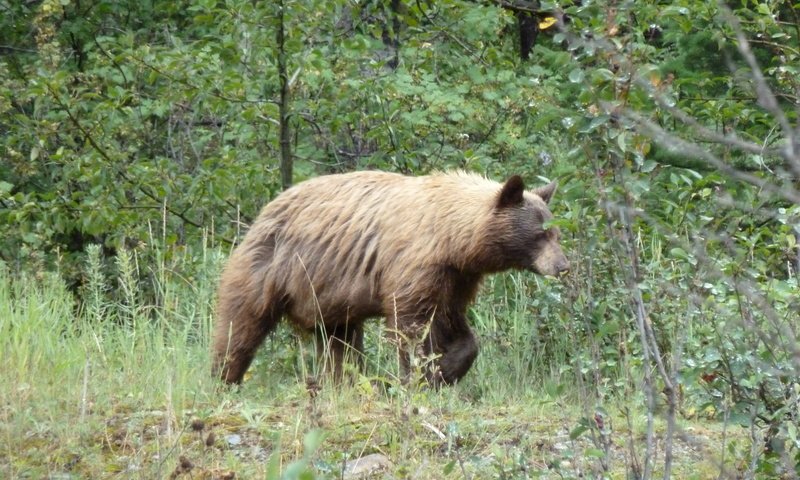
<point x="522" y="236"/>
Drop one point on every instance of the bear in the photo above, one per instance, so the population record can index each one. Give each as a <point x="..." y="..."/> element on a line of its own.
<point x="336" y="250"/>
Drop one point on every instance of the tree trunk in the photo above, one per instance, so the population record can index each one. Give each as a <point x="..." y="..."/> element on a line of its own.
<point x="283" y="108"/>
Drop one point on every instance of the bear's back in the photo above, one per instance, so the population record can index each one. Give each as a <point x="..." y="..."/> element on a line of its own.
<point x="345" y="243"/>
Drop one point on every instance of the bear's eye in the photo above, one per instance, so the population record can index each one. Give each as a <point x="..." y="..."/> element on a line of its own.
<point x="539" y="234"/>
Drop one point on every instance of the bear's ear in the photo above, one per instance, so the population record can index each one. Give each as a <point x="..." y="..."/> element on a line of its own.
<point x="546" y="192"/>
<point x="512" y="192"/>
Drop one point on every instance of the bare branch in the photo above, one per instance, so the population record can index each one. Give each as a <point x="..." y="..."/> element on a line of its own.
<point x="766" y="98"/>
<point x="679" y="145"/>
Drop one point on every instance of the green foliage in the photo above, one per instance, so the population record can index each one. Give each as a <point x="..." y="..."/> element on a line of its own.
<point x="130" y="122"/>
<point x="147" y="133"/>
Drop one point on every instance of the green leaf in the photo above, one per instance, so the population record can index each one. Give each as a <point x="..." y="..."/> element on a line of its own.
<point x="578" y="431"/>
<point x="596" y="122"/>
<point x="274" y="463"/>
<point x="602" y="75"/>
<point x="312" y="441"/>
<point x="623" y="146"/>
<point x="648" y="166"/>
<point x="594" y="453"/>
<point x="576" y="75"/>
<point x="678" y="252"/>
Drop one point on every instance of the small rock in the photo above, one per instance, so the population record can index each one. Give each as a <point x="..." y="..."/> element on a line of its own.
<point x="365" y="466"/>
<point x="233" y="439"/>
<point x="223" y="475"/>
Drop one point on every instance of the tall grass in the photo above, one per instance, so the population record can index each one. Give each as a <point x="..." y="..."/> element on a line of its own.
<point x="67" y="365"/>
<point x="112" y="377"/>
<point x="96" y="378"/>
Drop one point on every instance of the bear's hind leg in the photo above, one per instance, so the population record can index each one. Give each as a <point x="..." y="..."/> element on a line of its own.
<point x="238" y="334"/>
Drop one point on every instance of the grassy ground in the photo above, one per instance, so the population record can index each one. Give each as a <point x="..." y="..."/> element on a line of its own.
<point x="120" y="388"/>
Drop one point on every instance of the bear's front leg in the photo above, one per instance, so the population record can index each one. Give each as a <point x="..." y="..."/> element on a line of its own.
<point x="445" y="343"/>
<point x="455" y="347"/>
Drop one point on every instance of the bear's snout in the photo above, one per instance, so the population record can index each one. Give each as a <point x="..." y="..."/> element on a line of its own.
<point x="551" y="261"/>
<point x="562" y="266"/>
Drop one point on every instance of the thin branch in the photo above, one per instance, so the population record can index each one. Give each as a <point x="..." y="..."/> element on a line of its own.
<point x="518" y="5"/>
<point x="284" y="132"/>
<point x="12" y="48"/>
<point x="632" y="280"/>
<point x="679" y="145"/>
<point x="728" y="139"/>
<point x="766" y="97"/>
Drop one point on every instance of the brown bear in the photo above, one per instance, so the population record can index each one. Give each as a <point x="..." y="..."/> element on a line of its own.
<point x="333" y="251"/>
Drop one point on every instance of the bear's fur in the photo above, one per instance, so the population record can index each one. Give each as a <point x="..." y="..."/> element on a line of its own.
<point x="336" y="250"/>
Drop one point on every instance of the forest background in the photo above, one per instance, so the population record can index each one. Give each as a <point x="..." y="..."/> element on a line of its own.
<point x="139" y="139"/>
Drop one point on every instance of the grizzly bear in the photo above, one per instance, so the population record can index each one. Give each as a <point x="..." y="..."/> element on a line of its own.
<point x="333" y="251"/>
